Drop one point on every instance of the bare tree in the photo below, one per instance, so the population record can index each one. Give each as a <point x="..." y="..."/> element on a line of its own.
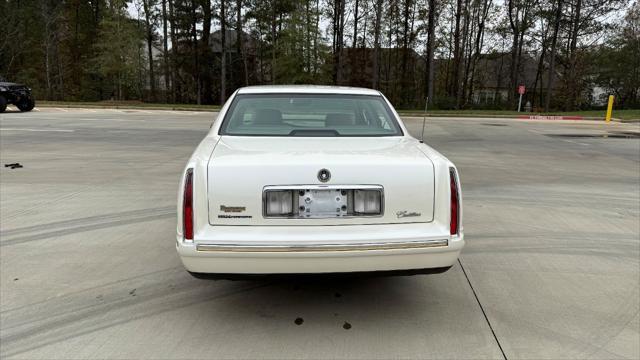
<point x="518" y="12"/>
<point x="165" y="51"/>
<point x="457" y="51"/>
<point x="481" y="11"/>
<point x="355" y="24"/>
<point x="50" y="13"/>
<point x="552" y="56"/>
<point x="174" y="51"/>
<point x="431" y="34"/>
<point x="571" y="101"/>
<point x="207" y="53"/>
<point x="196" y="52"/>
<point x="149" y="22"/>
<point x="375" y="82"/>
<point x="223" y="53"/>
<point x="338" y="39"/>
<point x="239" y="46"/>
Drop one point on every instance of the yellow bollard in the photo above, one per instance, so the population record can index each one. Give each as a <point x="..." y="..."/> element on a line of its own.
<point x="609" y="109"/>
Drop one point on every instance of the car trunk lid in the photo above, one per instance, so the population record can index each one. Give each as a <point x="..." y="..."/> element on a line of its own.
<point x="240" y="168"/>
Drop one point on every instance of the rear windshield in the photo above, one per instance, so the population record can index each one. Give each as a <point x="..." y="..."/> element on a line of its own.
<point x="323" y="115"/>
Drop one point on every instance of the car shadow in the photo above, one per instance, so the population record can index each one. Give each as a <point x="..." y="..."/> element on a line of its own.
<point x="331" y="302"/>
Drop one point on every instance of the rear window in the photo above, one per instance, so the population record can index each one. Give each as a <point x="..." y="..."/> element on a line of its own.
<point x="322" y="115"/>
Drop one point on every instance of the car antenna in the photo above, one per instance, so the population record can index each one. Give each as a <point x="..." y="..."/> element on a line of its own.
<point x="424" y="119"/>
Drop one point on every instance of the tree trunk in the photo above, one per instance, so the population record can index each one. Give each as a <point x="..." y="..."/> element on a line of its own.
<point x="165" y="51"/>
<point x="338" y="26"/>
<point x="479" y="42"/>
<point x="196" y="55"/>
<point x="355" y="25"/>
<point x="274" y="34"/>
<point x="223" y="55"/>
<point x="457" y="56"/>
<point x="572" y="98"/>
<point x="515" y="28"/>
<point x="307" y="37"/>
<point x="431" y="33"/>
<point x="239" y="35"/>
<point x="375" y="82"/>
<point x="207" y="53"/>
<point x="45" y="13"/>
<point x="363" y="43"/>
<point x="174" y="51"/>
<point x="464" y="60"/>
<point x="60" y="92"/>
<point x="315" y="38"/>
<point x="544" y="33"/>
<point x="552" y="60"/>
<point x="404" y="74"/>
<point x="149" y="32"/>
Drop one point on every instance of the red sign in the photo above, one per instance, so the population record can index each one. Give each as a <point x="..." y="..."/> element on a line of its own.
<point x="521" y="89"/>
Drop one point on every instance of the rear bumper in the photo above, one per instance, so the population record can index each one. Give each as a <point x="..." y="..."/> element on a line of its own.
<point x="330" y="256"/>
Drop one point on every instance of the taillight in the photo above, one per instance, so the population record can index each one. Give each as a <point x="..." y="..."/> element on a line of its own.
<point x="187" y="206"/>
<point x="455" y="202"/>
<point x="368" y="202"/>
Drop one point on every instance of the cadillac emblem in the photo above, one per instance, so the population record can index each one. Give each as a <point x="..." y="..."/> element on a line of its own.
<point x="324" y="175"/>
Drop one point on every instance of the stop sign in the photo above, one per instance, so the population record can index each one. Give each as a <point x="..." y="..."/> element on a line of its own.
<point x="521" y="89"/>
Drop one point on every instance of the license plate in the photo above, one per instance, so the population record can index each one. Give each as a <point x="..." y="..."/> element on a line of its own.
<point x="322" y="203"/>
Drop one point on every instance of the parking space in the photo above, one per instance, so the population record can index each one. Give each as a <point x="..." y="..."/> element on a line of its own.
<point x="88" y="267"/>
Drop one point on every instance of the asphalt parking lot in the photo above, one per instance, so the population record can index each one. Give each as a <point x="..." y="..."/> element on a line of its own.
<point x="88" y="267"/>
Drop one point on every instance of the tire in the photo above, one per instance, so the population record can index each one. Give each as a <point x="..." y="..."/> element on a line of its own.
<point x="3" y="104"/>
<point x="26" y="105"/>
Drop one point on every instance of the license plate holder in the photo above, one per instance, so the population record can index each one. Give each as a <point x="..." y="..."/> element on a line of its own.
<point x="322" y="203"/>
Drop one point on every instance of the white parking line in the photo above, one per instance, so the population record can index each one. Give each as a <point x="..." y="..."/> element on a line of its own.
<point x="43" y="130"/>
<point x="71" y="119"/>
<point x="106" y="119"/>
<point x="575" y="142"/>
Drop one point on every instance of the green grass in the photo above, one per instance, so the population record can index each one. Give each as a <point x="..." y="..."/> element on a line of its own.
<point x="459" y="112"/>
<point x="632" y="114"/>
<point x="127" y="105"/>
<point x="618" y="114"/>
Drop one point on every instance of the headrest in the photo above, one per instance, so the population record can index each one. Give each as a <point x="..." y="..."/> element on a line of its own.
<point x="268" y="116"/>
<point x="339" y="119"/>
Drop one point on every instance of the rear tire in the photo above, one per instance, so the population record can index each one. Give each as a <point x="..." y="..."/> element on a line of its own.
<point x="26" y="105"/>
<point x="3" y="104"/>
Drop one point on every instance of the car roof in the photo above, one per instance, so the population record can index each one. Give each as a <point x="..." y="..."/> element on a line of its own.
<point x="307" y="89"/>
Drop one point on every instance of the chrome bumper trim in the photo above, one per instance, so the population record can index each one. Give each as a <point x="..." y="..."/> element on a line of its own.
<point x="323" y="247"/>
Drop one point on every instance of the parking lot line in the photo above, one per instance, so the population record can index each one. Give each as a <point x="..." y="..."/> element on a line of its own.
<point x="43" y="130"/>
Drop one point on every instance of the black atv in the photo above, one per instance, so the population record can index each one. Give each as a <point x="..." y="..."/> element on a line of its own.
<point x="16" y="94"/>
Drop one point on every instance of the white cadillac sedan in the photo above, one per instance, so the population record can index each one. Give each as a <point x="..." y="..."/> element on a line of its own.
<point x="309" y="179"/>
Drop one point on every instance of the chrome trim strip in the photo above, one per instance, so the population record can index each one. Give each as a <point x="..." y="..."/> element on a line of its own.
<point x="323" y="247"/>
